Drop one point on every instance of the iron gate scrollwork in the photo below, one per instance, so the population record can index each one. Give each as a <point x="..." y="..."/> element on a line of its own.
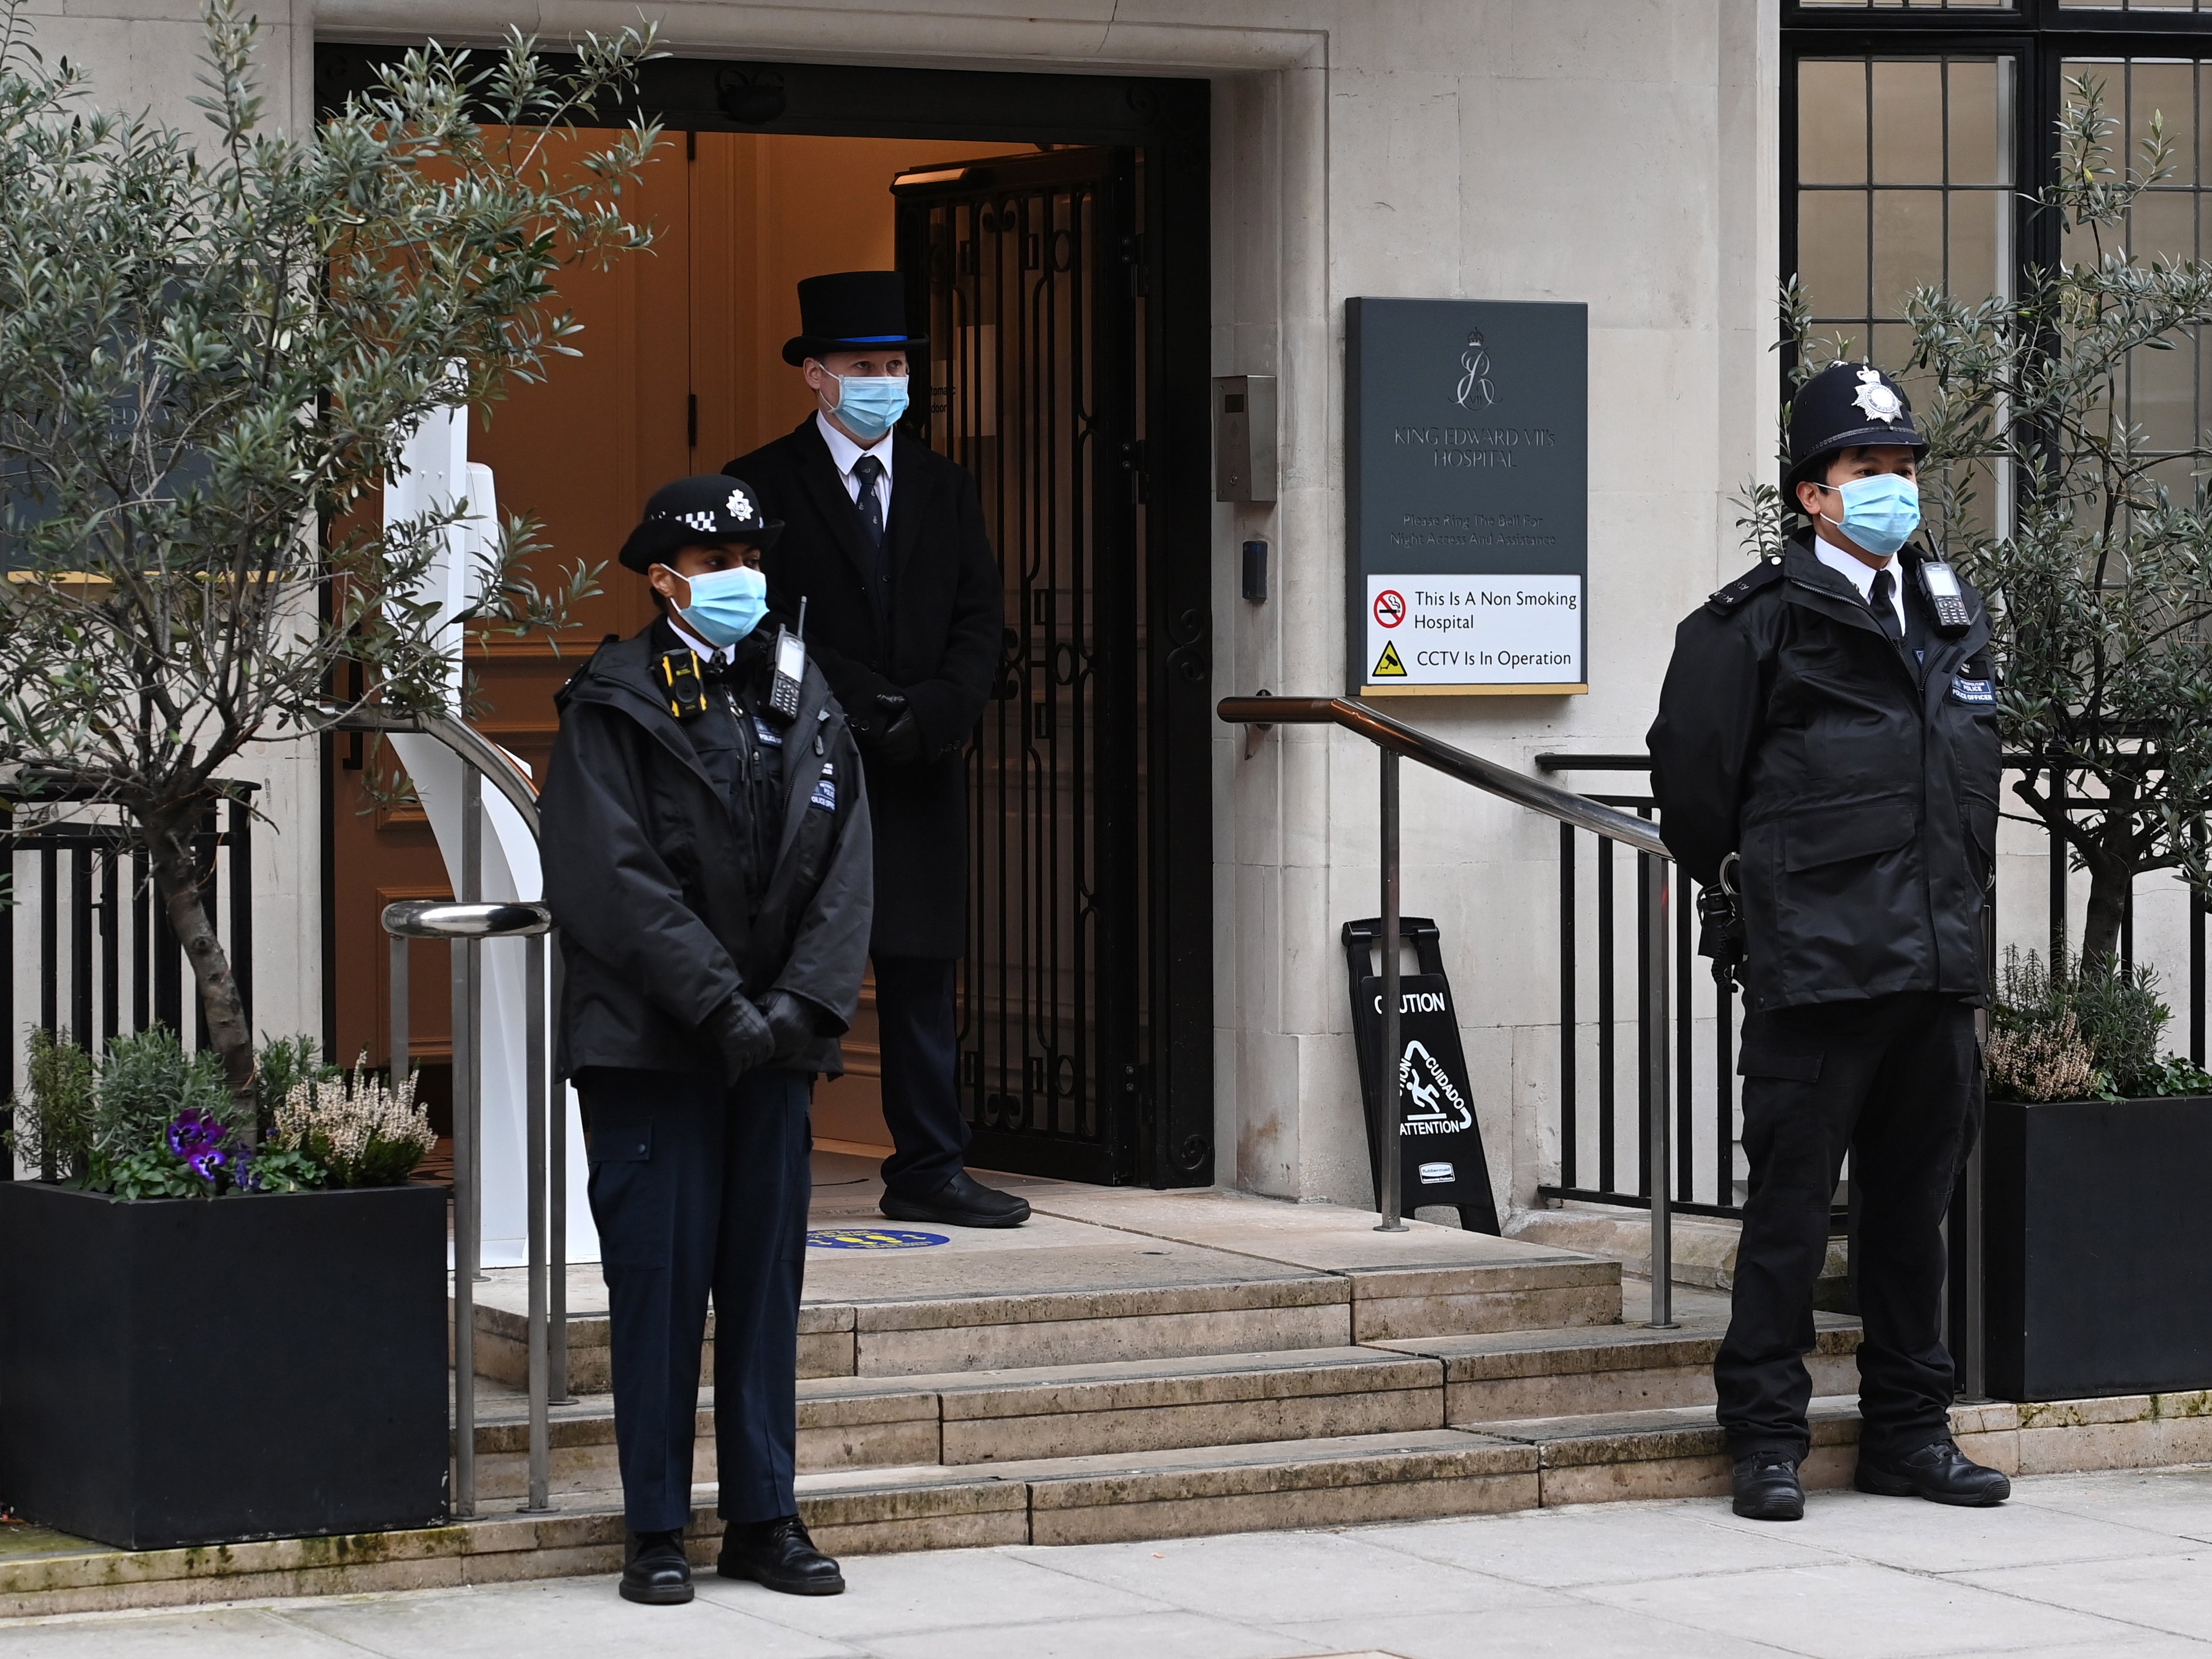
<point x="1021" y="266"/>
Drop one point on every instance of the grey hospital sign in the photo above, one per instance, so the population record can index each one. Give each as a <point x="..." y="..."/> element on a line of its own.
<point x="1467" y="456"/>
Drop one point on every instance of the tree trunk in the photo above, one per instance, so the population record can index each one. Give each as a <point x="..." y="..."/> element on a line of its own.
<point x="2109" y="878"/>
<point x="176" y="877"/>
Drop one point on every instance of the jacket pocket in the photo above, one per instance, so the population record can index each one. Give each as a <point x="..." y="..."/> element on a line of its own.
<point x="1833" y="834"/>
<point x="1978" y="817"/>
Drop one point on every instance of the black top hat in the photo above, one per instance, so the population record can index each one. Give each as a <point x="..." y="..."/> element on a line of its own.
<point x="850" y="311"/>
<point x="710" y="508"/>
<point x="1844" y="406"/>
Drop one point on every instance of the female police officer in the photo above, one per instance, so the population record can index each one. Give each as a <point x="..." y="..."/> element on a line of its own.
<point x="1827" y="748"/>
<point x="707" y="858"/>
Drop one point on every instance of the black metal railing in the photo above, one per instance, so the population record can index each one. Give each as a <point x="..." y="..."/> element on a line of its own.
<point x="82" y="917"/>
<point x="1707" y="1179"/>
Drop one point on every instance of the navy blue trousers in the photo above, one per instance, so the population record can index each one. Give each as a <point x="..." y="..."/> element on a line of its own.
<point x="700" y="1192"/>
<point x="921" y="1090"/>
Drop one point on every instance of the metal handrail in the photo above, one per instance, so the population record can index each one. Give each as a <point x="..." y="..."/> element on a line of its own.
<point x="1394" y="739"/>
<point x="466" y="921"/>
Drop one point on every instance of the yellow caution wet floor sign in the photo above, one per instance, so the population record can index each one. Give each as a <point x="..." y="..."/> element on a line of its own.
<point x="1386" y="666"/>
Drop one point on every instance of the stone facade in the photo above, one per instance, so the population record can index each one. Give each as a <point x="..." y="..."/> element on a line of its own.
<point x="1617" y="152"/>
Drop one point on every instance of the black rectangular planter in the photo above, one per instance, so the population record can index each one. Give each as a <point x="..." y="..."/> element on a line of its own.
<point x="182" y="1371"/>
<point x="2099" y="1247"/>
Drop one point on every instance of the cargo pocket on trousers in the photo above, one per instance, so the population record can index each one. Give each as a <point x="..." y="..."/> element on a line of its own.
<point x="620" y="1152"/>
<point x="1758" y="1060"/>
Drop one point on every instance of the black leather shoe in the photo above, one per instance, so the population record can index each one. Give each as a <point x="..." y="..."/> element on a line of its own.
<point x="779" y="1554"/>
<point x="1941" y="1474"/>
<point x="962" y="1201"/>
<point x="654" y="1570"/>
<point x="1767" y="1487"/>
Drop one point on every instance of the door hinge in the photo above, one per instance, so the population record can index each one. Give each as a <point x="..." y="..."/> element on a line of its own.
<point x="690" y="143"/>
<point x="1132" y="254"/>
<point x="691" y="420"/>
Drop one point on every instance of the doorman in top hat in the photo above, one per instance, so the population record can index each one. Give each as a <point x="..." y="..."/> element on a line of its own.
<point x="1825" y="751"/>
<point x="705" y="838"/>
<point x="884" y="540"/>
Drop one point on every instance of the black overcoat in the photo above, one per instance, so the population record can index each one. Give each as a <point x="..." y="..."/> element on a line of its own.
<point x="1859" y="785"/>
<point x="932" y="633"/>
<point x="657" y="930"/>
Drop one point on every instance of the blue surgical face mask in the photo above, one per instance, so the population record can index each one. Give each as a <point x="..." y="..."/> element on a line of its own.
<point x="868" y="405"/>
<point x="1880" y="514"/>
<point x="725" y="605"/>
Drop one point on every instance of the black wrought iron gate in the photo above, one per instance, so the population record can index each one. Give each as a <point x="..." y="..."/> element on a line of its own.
<point x="1022" y="267"/>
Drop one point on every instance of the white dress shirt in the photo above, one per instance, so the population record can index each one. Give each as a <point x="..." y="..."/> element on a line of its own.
<point x="1860" y="575"/>
<point x="844" y="452"/>
<point x="704" y="652"/>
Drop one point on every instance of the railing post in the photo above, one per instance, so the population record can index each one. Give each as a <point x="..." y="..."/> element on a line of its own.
<point x="466" y="1237"/>
<point x="1393" y="1158"/>
<point x="556" y="1181"/>
<point x="540" y="1426"/>
<point x="1660" y="1128"/>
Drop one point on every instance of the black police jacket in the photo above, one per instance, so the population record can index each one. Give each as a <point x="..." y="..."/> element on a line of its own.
<point x="924" y="619"/>
<point x="1859" y="786"/>
<point x="648" y="885"/>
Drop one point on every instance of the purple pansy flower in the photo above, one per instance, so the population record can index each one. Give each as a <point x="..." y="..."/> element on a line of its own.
<point x="198" y="1138"/>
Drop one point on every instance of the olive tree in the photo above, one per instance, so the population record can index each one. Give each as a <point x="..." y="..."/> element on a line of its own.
<point x="210" y="355"/>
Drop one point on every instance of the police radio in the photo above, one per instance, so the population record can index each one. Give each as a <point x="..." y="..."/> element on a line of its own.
<point x="1939" y="586"/>
<point x="790" y="668"/>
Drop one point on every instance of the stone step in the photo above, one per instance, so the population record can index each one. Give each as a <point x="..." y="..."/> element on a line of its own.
<point x="1326" y="1481"/>
<point x="1153" y="1405"/>
<point x="1219" y="1304"/>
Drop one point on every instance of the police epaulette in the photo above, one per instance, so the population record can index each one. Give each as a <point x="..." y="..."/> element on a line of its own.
<point x="1765" y="574"/>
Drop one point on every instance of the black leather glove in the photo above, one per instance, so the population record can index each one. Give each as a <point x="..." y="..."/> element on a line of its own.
<point x="1720" y="934"/>
<point x="897" y="733"/>
<point x="790" y="1022"/>
<point x="740" y="1035"/>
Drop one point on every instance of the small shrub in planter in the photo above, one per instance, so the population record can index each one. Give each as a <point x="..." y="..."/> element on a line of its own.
<point x="186" y="1254"/>
<point x="2099" y="1243"/>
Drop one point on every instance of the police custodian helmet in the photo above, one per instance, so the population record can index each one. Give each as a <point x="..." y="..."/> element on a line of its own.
<point x="1844" y="406"/>
<point x="711" y="507"/>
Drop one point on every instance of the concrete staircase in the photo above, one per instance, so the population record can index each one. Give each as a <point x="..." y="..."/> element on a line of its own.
<point x="1154" y="1365"/>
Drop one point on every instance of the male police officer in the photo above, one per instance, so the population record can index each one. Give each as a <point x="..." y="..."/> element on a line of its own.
<point x="1826" y="750"/>
<point x="706" y="853"/>
<point x="886" y="542"/>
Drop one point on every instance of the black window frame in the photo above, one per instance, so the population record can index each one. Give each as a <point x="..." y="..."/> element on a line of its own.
<point x="2040" y="36"/>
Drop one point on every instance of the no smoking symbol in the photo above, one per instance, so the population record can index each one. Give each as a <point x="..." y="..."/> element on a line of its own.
<point x="1390" y="607"/>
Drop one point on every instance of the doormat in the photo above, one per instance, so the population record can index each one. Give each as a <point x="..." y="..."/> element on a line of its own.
<point x="872" y="1238"/>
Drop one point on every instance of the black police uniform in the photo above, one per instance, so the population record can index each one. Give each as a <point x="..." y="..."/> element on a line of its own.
<point x="702" y="860"/>
<point x="1856" y="775"/>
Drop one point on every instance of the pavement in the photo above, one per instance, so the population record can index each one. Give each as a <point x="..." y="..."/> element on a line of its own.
<point x="2074" y="1567"/>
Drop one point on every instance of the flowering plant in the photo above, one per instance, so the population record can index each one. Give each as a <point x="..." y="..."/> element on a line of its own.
<point x="360" y="1132"/>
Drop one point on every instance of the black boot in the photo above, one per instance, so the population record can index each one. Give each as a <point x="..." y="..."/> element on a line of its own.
<point x="1940" y="1473"/>
<point x="654" y="1570"/>
<point x="1767" y="1487"/>
<point x="779" y="1554"/>
<point x="962" y="1201"/>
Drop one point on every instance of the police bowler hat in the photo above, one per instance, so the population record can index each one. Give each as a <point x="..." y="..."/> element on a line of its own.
<point x="706" y="510"/>
<point x="1846" y="406"/>
<point x="850" y="311"/>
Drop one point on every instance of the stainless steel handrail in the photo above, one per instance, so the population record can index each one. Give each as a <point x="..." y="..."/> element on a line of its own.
<point x="467" y="921"/>
<point x="1395" y="739"/>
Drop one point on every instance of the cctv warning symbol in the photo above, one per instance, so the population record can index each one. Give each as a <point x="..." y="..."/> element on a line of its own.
<point x="1387" y="666"/>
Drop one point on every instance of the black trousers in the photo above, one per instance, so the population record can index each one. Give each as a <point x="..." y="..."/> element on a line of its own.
<point x="1895" y="1081"/>
<point x="700" y="1191"/>
<point x="921" y="1090"/>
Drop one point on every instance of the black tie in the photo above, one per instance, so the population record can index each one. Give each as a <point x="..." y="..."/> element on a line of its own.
<point x="865" y="471"/>
<point x="1885" y="612"/>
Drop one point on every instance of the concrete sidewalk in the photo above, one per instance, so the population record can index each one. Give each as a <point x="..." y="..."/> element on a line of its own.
<point x="2084" y="1566"/>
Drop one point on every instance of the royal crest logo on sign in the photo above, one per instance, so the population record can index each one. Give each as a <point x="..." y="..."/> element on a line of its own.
<point x="871" y="1239"/>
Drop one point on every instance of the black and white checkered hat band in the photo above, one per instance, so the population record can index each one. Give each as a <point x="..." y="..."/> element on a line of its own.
<point x="706" y="523"/>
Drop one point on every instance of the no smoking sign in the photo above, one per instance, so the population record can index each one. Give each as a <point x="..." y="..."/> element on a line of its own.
<point x="1390" y="607"/>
